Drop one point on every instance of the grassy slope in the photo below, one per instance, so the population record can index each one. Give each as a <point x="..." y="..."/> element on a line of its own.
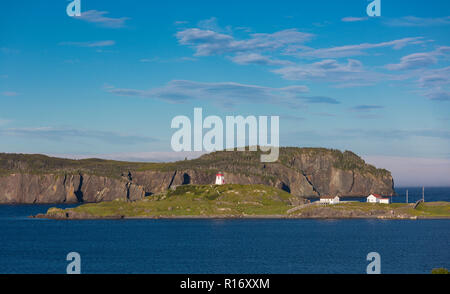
<point x="240" y="200"/>
<point x="190" y="200"/>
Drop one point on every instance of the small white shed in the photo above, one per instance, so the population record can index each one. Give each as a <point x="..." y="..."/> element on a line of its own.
<point x="329" y="199"/>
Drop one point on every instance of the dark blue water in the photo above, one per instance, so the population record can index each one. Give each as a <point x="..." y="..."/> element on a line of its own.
<point x="220" y="246"/>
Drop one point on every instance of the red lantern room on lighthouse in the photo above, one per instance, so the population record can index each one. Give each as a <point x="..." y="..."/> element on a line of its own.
<point x="220" y="179"/>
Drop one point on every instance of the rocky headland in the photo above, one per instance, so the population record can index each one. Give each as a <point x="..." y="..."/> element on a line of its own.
<point x="301" y="172"/>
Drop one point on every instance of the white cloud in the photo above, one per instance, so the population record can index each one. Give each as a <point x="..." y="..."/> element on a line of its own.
<point x="10" y="93"/>
<point x="438" y="94"/>
<point x="354" y="19"/>
<point x="351" y="50"/>
<point x="330" y="70"/>
<point x="58" y="134"/>
<point x="434" y="78"/>
<point x="256" y="58"/>
<point x="433" y="83"/>
<point x="209" y="42"/>
<point x="413" y="21"/>
<point x="414" y="61"/>
<point x="99" y="18"/>
<point x="154" y="59"/>
<point x="419" y="60"/>
<point x="224" y="93"/>
<point x="4" y="121"/>
<point x="366" y="108"/>
<point x="89" y="44"/>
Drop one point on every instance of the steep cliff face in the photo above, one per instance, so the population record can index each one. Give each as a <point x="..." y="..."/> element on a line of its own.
<point x="300" y="171"/>
<point x="50" y="188"/>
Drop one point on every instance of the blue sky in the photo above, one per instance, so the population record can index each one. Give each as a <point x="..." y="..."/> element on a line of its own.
<point x="108" y="83"/>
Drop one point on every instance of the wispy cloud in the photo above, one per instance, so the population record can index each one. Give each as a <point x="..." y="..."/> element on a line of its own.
<point x="209" y="42"/>
<point x="434" y="78"/>
<point x="366" y="108"/>
<point x="320" y="100"/>
<point x="375" y="134"/>
<point x="10" y="93"/>
<point x="180" y="22"/>
<point x="99" y="18"/>
<point x="291" y="117"/>
<point x="153" y="59"/>
<point x="349" y="74"/>
<point x="278" y="49"/>
<point x="225" y="93"/>
<point x="432" y="83"/>
<point x="413" y="21"/>
<point x="256" y="58"/>
<point x="353" y="19"/>
<point x="89" y="44"/>
<point x="420" y="60"/>
<point x="438" y="94"/>
<point x="9" y="51"/>
<point x="213" y="25"/>
<point x="58" y="134"/>
<point x="397" y="134"/>
<point x="4" y="121"/>
<point x="351" y="50"/>
<point x="414" y="61"/>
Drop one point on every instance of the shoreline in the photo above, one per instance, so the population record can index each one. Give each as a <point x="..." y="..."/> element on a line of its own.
<point x="221" y="217"/>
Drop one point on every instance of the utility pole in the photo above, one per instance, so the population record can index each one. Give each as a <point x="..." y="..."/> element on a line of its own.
<point x="406" y="196"/>
<point x="423" y="194"/>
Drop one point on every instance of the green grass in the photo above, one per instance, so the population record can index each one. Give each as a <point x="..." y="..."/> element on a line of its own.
<point x="432" y="209"/>
<point x="440" y="271"/>
<point x="193" y="200"/>
<point x="240" y="200"/>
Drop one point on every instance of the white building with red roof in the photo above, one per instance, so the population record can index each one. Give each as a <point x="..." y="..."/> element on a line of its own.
<point x="377" y="198"/>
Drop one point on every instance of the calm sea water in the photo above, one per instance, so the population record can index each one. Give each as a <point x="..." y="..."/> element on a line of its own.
<point x="222" y="246"/>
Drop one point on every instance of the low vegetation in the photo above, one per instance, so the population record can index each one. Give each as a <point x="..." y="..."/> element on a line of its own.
<point x="244" y="201"/>
<point x="363" y="209"/>
<point x="192" y="200"/>
<point x="440" y="271"/>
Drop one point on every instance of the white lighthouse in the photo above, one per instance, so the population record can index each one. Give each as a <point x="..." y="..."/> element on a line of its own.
<point x="220" y="179"/>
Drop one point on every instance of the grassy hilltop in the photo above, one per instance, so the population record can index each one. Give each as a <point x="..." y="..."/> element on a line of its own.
<point x="243" y="162"/>
<point x="192" y="200"/>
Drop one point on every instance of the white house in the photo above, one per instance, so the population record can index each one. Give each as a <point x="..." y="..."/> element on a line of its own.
<point x="376" y="198"/>
<point x="220" y="179"/>
<point x="329" y="199"/>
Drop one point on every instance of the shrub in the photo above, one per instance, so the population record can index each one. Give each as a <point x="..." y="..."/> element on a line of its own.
<point x="440" y="271"/>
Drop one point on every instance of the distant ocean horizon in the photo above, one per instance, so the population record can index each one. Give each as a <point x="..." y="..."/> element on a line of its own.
<point x="29" y="245"/>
